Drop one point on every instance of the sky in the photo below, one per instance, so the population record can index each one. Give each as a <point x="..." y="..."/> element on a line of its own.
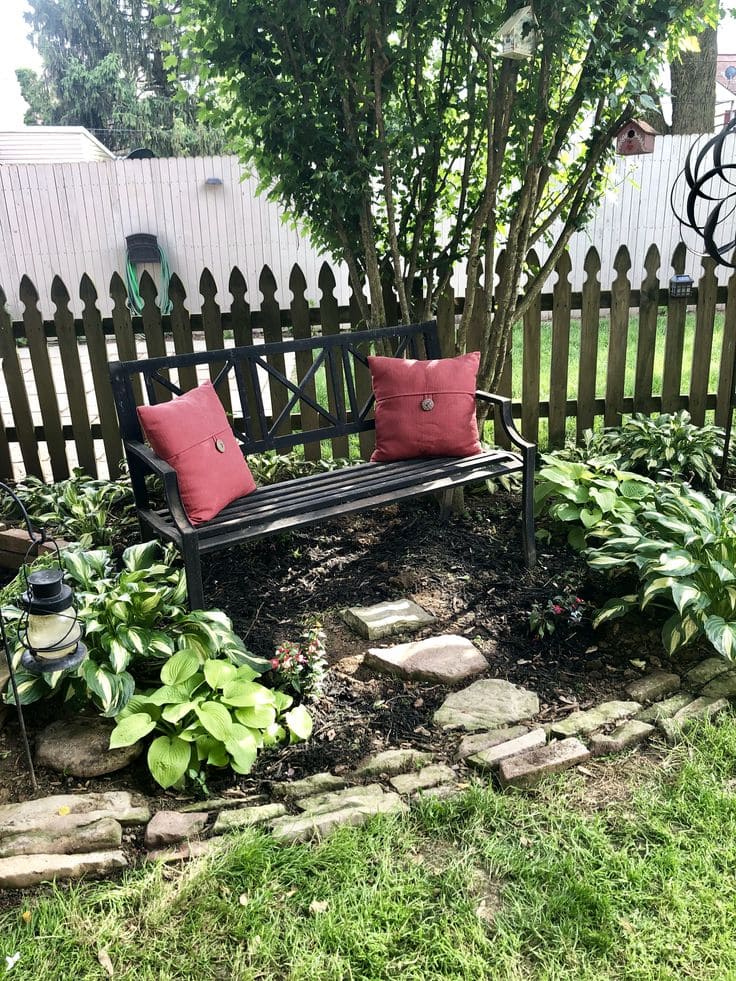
<point x="16" y="52"/>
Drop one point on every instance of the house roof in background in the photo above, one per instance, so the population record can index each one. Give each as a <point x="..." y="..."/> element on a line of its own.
<point x="51" y="144"/>
<point x="726" y="71"/>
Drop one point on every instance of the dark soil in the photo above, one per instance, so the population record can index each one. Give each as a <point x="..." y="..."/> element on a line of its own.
<point x="468" y="572"/>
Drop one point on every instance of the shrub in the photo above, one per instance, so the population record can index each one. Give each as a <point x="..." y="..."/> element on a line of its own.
<point x="587" y="497"/>
<point x="684" y="551"/>
<point x="208" y="713"/>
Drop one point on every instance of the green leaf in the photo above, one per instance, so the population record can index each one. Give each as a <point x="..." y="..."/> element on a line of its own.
<point x="176" y="712"/>
<point x="119" y="656"/>
<point x="218" y="673"/>
<point x="590" y="516"/>
<point x="722" y="635"/>
<point x="684" y="595"/>
<point x="130" y="729"/>
<point x="244" y="694"/>
<point x="168" y="759"/>
<point x="613" y="609"/>
<point x="677" y="632"/>
<point x="257" y="716"/>
<point x="181" y="666"/>
<point x="216" y="720"/>
<point x="656" y="586"/>
<point x="676" y="563"/>
<point x="299" y="722"/>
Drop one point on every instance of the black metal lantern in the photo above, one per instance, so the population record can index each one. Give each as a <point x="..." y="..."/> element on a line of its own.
<point x="52" y="633"/>
<point x="681" y="286"/>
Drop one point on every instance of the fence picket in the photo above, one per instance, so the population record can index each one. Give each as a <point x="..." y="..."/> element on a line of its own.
<point x="704" y="319"/>
<point x="674" y="339"/>
<point x="330" y="316"/>
<point x="181" y="332"/>
<point x="363" y="388"/>
<point x="19" y="402"/>
<point x="98" y="361"/>
<point x="728" y="354"/>
<point x="242" y="327"/>
<point x="122" y="324"/>
<point x="590" y="320"/>
<point x="617" y="338"/>
<point x="560" y="351"/>
<point x="271" y="319"/>
<point x="646" y="342"/>
<point x="446" y="321"/>
<point x="214" y="337"/>
<point x="45" y="388"/>
<point x="73" y="379"/>
<point x="309" y="419"/>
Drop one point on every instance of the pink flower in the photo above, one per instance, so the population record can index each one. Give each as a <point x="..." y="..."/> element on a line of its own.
<point x="275" y="663"/>
<point x="556" y="608"/>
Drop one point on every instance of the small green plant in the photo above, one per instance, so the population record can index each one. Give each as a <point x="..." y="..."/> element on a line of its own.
<point x="563" y="609"/>
<point x="208" y="713"/>
<point x="684" y="550"/>
<point x="272" y="467"/>
<point x="587" y="498"/>
<point x="301" y="667"/>
<point x="81" y="509"/>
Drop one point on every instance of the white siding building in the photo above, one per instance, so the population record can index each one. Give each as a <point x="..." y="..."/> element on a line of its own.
<point x="51" y="144"/>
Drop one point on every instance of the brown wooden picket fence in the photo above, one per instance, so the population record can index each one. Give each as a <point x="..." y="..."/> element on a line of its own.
<point x="48" y="366"/>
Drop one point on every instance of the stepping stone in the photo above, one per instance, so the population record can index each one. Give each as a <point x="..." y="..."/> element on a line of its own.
<point x="391" y="762"/>
<point x="23" y="871"/>
<point x="68" y="834"/>
<point x="665" y="709"/>
<point x="45" y="812"/>
<point x="583" y="723"/>
<point x="701" y="708"/>
<point x="487" y="704"/>
<point x="623" y="737"/>
<point x="310" y="826"/>
<point x="247" y="817"/>
<point x="80" y="747"/>
<point x="490" y="758"/>
<point x="653" y="686"/>
<point x="707" y="670"/>
<point x="170" y="827"/>
<point x="385" y="619"/>
<point x="447" y="659"/>
<point x="430" y="776"/>
<point x="528" y="768"/>
<point x="340" y="799"/>
<point x="477" y="742"/>
<point x="318" y="783"/>
<point x="724" y="686"/>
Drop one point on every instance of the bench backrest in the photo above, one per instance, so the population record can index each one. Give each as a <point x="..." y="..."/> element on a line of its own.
<point x="333" y="392"/>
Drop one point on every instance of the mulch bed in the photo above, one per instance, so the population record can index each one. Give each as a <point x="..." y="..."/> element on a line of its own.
<point x="468" y="572"/>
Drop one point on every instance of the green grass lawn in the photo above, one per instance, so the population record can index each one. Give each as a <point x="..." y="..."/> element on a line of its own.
<point x="626" y="872"/>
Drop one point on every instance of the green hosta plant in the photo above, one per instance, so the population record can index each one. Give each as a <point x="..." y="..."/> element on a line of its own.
<point x="588" y="497"/>
<point x="207" y="713"/>
<point x="684" y="551"/>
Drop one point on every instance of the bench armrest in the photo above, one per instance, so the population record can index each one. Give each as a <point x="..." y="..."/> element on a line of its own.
<point x="506" y="419"/>
<point x="155" y="465"/>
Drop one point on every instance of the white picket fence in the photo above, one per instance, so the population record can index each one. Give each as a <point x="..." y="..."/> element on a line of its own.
<point x="72" y="218"/>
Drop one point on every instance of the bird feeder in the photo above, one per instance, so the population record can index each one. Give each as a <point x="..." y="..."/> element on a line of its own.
<point x="518" y="35"/>
<point x="635" y="137"/>
<point x="681" y="286"/>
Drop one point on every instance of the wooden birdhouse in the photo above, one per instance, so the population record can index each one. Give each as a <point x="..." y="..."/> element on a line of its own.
<point x="634" y="137"/>
<point x="519" y="35"/>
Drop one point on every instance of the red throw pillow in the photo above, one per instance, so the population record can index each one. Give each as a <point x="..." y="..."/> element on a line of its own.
<point x="425" y="408"/>
<point x="193" y="435"/>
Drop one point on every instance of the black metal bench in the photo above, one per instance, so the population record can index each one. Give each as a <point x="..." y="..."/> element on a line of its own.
<point x="341" y="361"/>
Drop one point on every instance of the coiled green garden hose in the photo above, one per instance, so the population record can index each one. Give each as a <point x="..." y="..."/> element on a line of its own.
<point x="134" y="293"/>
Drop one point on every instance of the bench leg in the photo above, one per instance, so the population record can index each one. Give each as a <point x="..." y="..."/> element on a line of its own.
<point x="527" y="508"/>
<point x="451" y="501"/>
<point x="193" y="571"/>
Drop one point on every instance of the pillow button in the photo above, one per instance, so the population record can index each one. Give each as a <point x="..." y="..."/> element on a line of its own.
<point x="219" y="446"/>
<point x="427" y="404"/>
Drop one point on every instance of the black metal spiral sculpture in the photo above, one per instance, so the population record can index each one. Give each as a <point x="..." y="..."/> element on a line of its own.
<point x="709" y="179"/>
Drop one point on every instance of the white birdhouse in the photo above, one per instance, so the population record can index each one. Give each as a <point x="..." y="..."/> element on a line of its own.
<point x="519" y="35"/>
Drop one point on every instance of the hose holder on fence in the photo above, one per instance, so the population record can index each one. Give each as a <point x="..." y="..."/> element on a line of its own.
<point x="144" y="247"/>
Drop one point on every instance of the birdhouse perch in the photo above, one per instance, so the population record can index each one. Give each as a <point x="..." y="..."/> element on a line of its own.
<point x="635" y="136"/>
<point x="519" y="35"/>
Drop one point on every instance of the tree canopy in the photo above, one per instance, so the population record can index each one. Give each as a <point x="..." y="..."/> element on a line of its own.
<point x="111" y="65"/>
<point x="396" y="132"/>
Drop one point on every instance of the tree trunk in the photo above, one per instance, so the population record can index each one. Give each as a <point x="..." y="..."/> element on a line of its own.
<point x="694" y="87"/>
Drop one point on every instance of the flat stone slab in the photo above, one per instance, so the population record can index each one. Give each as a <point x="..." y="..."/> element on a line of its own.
<point x="706" y="671"/>
<point x="529" y="768"/>
<point x="724" y="686"/>
<point x="486" y="704"/>
<point x="247" y="817"/>
<point x="23" y="871"/>
<point x="477" y="742"/>
<point x="221" y="803"/>
<point x="52" y="812"/>
<point x="170" y="827"/>
<point x="386" y="619"/>
<point x="490" y="758"/>
<point x="701" y="708"/>
<point x="318" y="783"/>
<point x="80" y="747"/>
<point x="623" y="737"/>
<point x="69" y="834"/>
<point x="447" y="659"/>
<point x="430" y="776"/>
<point x="653" y="686"/>
<point x="391" y="762"/>
<point x="184" y="851"/>
<point x="583" y="723"/>
<point x="667" y="708"/>
<point x="311" y="826"/>
<point x="339" y="799"/>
